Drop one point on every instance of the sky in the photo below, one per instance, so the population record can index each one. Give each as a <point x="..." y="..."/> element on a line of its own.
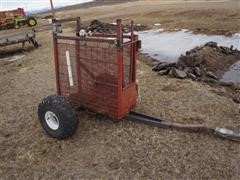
<point x="31" y="5"/>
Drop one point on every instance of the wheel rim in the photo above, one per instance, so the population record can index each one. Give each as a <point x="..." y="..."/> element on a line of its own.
<point x="51" y="120"/>
<point x="32" y="22"/>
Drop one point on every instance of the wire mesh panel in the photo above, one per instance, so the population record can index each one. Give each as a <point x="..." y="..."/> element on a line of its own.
<point x="88" y="74"/>
<point x="127" y="65"/>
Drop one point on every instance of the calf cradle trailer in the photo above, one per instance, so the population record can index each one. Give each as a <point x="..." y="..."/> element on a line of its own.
<point x="98" y="72"/>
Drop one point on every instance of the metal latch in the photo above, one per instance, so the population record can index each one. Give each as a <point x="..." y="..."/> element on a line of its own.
<point x="57" y="28"/>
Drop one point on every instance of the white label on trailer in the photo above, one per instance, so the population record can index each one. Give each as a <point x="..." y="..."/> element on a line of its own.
<point x="70" y="76"/>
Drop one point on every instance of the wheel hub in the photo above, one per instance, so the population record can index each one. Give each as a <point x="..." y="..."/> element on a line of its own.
<point x="51" y="120"/>
<point x="32" y="22"/>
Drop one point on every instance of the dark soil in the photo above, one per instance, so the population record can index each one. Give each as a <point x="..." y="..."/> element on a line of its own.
<point x="97" y="26"/>
<point x="205" y="63"/>
<point x="210" y="57"/>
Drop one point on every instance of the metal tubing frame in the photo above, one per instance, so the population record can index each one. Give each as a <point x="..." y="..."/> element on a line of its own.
<point x="77" y="49"/>
<point x="66" y="20"/>
<point x="120" y="60"/>
<point x="110" y="35"/>
<point x="116" y="39"/>
<point x="56" y="63"/>
<point x="85" y="39"/>
<point x="55" y="44"/>
<point x="132" y="57"/>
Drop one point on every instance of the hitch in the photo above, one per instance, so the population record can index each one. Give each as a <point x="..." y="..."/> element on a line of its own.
<point x="233" y="135"/>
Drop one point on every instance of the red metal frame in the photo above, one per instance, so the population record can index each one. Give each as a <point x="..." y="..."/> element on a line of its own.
<point x="103" y="70"/>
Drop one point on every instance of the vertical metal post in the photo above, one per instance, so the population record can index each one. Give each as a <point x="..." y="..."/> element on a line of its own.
<point x="132" y="30"/>
<point x="78" y="26"/>
<point x="120" y="69"/>
<point x="77" y="49"/>
<point x="120" y="51"/>
<point x="135" y="57"/>
<point x="132" y="51"/>
<point x="52" y="8"/>
<point x="56" y="62"/>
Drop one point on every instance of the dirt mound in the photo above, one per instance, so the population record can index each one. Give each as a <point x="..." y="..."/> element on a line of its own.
<point x="97" y="26"/>
<point x="205" y="63"/>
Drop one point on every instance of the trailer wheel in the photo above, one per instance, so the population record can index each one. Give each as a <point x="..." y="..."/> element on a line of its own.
<point x="31" y="21"/>
<point x="58" y="117"/>
<point x="17" y="26"/>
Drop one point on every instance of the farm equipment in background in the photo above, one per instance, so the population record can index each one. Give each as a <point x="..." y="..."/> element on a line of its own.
<point x="19" y="37"/>
<point x="16" y="19"/>
<point x="98" y="72"/>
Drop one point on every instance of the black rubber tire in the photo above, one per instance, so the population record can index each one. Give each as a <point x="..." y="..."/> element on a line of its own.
<point x="31" y="19"/>
<point x="65" y="113"/>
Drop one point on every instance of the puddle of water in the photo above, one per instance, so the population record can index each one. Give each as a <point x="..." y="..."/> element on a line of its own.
<point x="13" y="57"/>
<point x="233" y="75"/>
<point x="168" y="46"/>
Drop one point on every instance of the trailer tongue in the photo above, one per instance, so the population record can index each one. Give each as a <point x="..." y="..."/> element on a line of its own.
<point x="233" y="135"/>
<point x="98" y="72"/>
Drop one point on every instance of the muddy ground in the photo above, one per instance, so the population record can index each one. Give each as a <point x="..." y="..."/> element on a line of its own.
<point x="101" y="149"/>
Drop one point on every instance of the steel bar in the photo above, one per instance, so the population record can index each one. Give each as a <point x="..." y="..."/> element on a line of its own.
<point x="134" y="116"/>
<point x="219" y="132"/>
<point x="65" y="20"/>
<point x="52" y="8"/>
<point x="110" y="36"/>
<point x="85" y="39"/>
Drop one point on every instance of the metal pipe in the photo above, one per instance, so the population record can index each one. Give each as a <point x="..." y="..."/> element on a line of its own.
<point x="198" y="128"/>
<point x="85" y="39"/>
<point x="56" y="63"/>
<point x="77" y="53"/>
<point x="52" y="8"/>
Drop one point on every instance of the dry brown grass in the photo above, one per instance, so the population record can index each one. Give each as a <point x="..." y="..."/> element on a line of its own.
<point x="205" y="16"/>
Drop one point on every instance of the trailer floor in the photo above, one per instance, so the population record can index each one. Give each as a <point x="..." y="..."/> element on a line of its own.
<point x="101" y="149"/>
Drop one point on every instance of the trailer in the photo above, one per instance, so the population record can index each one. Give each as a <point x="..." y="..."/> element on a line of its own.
<point x="98" y="72"/>
<point x="20" y="37"/>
